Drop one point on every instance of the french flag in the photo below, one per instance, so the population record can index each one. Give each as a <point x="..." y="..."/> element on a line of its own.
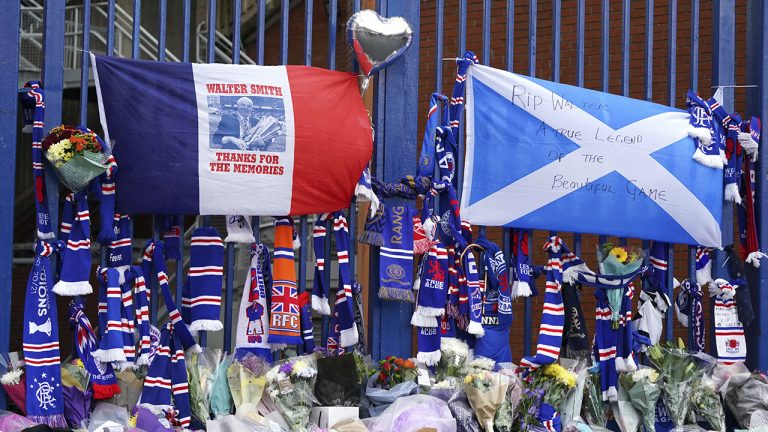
<point x="232" y="139"/>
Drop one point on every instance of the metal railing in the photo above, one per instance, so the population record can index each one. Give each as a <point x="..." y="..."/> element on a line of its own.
<point x="222" y="47"/>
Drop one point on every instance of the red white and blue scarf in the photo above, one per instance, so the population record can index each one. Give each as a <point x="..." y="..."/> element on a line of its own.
<point x="703" y="129"/>
<point x="166" y="385"/>
<point x="343" y="319"/>
<point x="253" y="315"/>
<point x="102" y="375"/>
<point x="729" y="331"/>
<point x="201" y="298"/>
<point x="76" y="257"/>
<point x="45" y="231"/>
<point x="285" y="321"/>
<point x="320" y="292"/>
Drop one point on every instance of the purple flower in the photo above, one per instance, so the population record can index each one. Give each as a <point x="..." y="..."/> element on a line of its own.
<point x="286" y="368"/>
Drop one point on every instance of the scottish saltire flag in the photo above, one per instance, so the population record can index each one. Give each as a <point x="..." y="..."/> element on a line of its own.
<point x="232" y="139"/>
<point x="553" y="156"/>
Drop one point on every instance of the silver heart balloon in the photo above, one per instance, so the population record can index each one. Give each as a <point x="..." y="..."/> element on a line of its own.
<point x="377" y="41"/>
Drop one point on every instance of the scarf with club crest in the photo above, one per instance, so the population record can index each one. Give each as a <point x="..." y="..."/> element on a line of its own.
<point x="703" y="129"/>
<point x="690" y="312"/>
<point x="320" y="291"/>
<point x="285" y="320"/>
<point x="431" y="295"/>
<point x="497" y="305"/>
<point x="253" y="317"/>
<point x="201" y="296"/>
<point x="76" y="257"/>
<point x="523" y="271"/>
<point x="426" y="167"/>
<point x="43" y="216"/>
<point x="729" y="331"/>
<point x="102" y="375"/>
<point x="45" y="399"/>
<point x="396" y="254"/>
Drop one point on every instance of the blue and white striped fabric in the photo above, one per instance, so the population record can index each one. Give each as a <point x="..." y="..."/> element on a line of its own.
<point x="729" y="331"/>
<point x="111" y="344"/>
<point x="426" y="167"/>
<point x="166" y="384"/>
<point x="201" y="300"/>
<point x="343" y="321"/>
<point x="320" y="292"/>
<point x="596" y="153"/>
<point x="76" y="256"/>
<point x="396" y="254"/>
<point x="45" y="231"/>
<point x="253" y="315"/>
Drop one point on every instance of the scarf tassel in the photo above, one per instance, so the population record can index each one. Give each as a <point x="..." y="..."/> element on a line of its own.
<point x="476" y="329"/>
<point x="732" y="193"/>
<point x="423" y="320"/>
<point x="321" y="305"/>
<point x="755" y="257"/>
<point x="429" y="358"/>
<point x="371" y="237"/>
<point x="54" y="421"/>
<point x="396" y="294"/>
<point x="521" y="289"/>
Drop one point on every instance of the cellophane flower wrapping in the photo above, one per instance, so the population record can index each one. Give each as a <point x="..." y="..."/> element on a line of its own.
<point x="706" y="403"/>
<point x="593" y="409"/>
<point x="12" y="422"/>
<point x="221" y="397"/>
<point x="78" y="157"/>
<point x="453" y="355"/>
<point x="336" y="385"/>
<point x="643" y="389"/>
<point x="131" y="382"/>
<point x="14" y="384"/>
<point x="570" y="408"/>
<point x="246" y="388"/>
<point x="679" y="370"/>
<point x="381" y="398"/>
<point x="505" y="416"/>
<point x="745" y="395"/>
<point x="290" y="385"/>
<point x="201" y="371"/>
<point x="412" y="413"/>
<point x="486" y="391"/>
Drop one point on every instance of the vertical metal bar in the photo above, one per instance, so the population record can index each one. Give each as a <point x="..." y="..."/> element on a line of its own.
<point x="532" y="27"/>
<point x="187" y="6"/>
<point x="332" y="34"/>
<point x="237" y="9"/>
<point x="85" y="62"/>
<point x="625" y="53"/>
<point x="439" y="9"/>
<point x="110" y="27"/>
<point x="211" y="49"/>
<point x="580" y="8"/>
<point x="308" y="32"/>
<point x="649" y="50"/>
<point x="284" y="33"/>
<point x="462" y="26"/>
<point x="460" y="139"/>
<point x="692" y="280"/>
<point x="9" y="78"/>
<point x="163" y="30"/>
<point x="695" y="45"/>
<point x="672" y="48"/>
<point x="669" y="325"/>
<point x="557" y="7"/>
<point x="136" y="34"/>
<point x="261" y="20"/>
<point x="605" y="57"/>
<point x="511" y="34"/>
<point x="486" y="32"/>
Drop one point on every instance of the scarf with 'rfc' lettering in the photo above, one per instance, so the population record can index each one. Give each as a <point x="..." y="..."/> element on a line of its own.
<point x="320" y="291"/>
<point x="396" y="254"/>
<point x="76" y="257"/>
<point x="343" y="320"/>
<point x="167" y="378"/>
<point x="253" y="316"/>
<point x="102" y="376"/>
<point x="45" y="399"/>
<point x="201" y="297"/>
<point x="154" y="256"/>
<point x="553" y="317"/>
<point x="431" y="295"/>
<point x="43" y="219"/>
<point x="729" y="331"/>
<point x="285" y="320"/>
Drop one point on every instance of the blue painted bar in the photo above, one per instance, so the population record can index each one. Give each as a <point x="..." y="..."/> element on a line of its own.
<point x="395" y="140"/>
<point x="511" y="34"/>
<point x="672" y="47"/>
<point x="187" y="6"/>
<point x="439" y="12"/>
<point x="110" y="27"/>
<point x="237" y="8"/>
<point x="229" y="299"/>
<point x="669" y="324"/>
<point x="260" y="29"/>
<point x="86" y="62"/>
<point x="532" y="27"/>
<point x="9" y="99"/>
<point x="308" y="32"/>
<point x="460" y="139"/>
<point x="761" y="78"/>
<point x="462" y="26"/>
<point x="306" y="244"/>
<point x="154" y="293"/>
<point x="136" y="33"/>
<point x="486" y="59"/>
<point x="556" y="24"/>
<point x="580" y="12"/>
<point x="605" y="58"/>
<point x="332" y="18"/>
<point x="211" y="49"/>
<point x="180" y="265"/>
<point x="163" y="30"/>
<point x="695" y="13"/>
<point x="692" y="279"/>
<point x="649" y="50"/>
<point x="284" y="33"/>
<point x="625" y="53"/>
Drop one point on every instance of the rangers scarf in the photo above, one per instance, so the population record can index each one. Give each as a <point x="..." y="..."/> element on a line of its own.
<point x="396" y="254"/>
<point x="729" y="331"/>
<point x="167" y="378"/>
<point x="426" y="167"/>
<point x="307" y="329"/>
<point x="171" y="235"/>
<point x="111" y="345"/>
<point x="43" y="215"/>
<point x="76" y="257"/>
<point x="101" y="374"/>
<point x="320" y="291"/>
<point x="703" y="265"/>
<point x="253" y="316"/>
<point x="431" y="296"/>
<point x="105" y="191"/>
<point x="523" y="283"/>
<point x="285" y="324"/>
<point x="201" y="298"/>
<point x="343" y="320"/>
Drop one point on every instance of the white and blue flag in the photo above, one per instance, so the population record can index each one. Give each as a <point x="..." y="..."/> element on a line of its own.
<point x="553" y="156"/>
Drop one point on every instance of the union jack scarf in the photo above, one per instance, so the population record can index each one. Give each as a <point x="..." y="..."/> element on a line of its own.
<point x="76" y="257"/>
<point x="253" y="316"/>
<point x="343" y="319"/>
<point x="431" y="295"/>
<point x="307" y="329"/>
<point x="43" y="220"/>
<point x="522" y="286"/>
<point x="553" y="318"/>
<point x="201" y="296"/>
<point x="690" y="312"/>
<point x="102" y="376"/>
<point x="171" y="235"/>
<point x="396" y="254"/>
<point x="729" y="331"/>
<point x="735" y="155"/>
<point x="285" y="320"/>
<point x="45" y="400"/>
<point x="549" y="418"/>
<point x="154" y="256"/>
<point x="320" y="291"/>
<point x="703" y="129"/>
<point x="111" y="344"/>
<point x="166" y="384"/>
<point x="703" y="265"/>
<point x="426" y="167"/>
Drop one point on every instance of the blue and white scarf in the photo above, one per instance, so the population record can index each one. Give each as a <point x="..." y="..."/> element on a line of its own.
<point x="396" y="254"/>
<point x="141" y="294"/>
<point x="690" y="312"/>
<point x="102" y="376"/>
<point x="735" y="156"/>
<point x="497" y="305"/>
<point x="320" y="291"/>
<point x="522" y="286"/>
<point x="45" y="399"/>
<point x="201" y="298"/>
<point x="426" y="167"/>
<point x="432" y="291"/>
<point x="166" y="384"/>
<point x="703" y="129"/>
<point x="119" y="252"/>
<point x="343" y="319"/>
<point x="43" y="215"/>
<point x="76" y="257"/>
<point x="729" y="331"/>
<point x="253" y="316"/>
<point x="457" y="96"/>
<point x="307" y="328"/>
<point x="111" y="344"/>
<point x="474" y="293"/>
<point x="428" y="339"/>
<point x="105" y="190"/>
<point x="171" y="235"/>
<point x="549" y="418"/>
<point x="721" y="121"/>
<point x="703" y="265"/>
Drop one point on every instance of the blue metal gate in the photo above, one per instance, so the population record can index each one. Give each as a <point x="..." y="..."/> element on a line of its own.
<point x="397" y="93"/>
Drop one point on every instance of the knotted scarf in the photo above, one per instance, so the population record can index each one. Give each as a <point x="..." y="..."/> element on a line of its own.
<point x="76" y="257"/>
<point x="111" y="344"/>
<point x="43" y="215"/>
<point x="253" y="315"/>
<point x="171" y="235"/>
<point x="102" y="375"/>
<point x="735" y="155"/>
<point x="690" y="312"/>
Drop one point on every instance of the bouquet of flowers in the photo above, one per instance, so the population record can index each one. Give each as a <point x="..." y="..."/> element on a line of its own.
<point x="744" y="395"/>
<point x="679" y="370"/>
<point x="643" y="389"/>
<point x="77" y="395"/>
<point x="453" y="356"/>
<point x="618" y="261"/>
<point x="394" y="379"/>
<point x="593" y="409"/>
<point x="14" y="384"/>
<point x="77" y="154"/>
<point x="290" y="384"/>
<point x="486" y="392"/>
<point x="246" y="385"/>
<point x="705" y="402"/>
<point x="394" y="370"/>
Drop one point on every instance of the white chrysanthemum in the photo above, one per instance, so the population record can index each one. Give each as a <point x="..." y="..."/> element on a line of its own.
<point x="11" y="377"/>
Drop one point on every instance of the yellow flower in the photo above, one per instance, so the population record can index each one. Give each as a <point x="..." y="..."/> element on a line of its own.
<point x="132" y="421"/>
<point x="79" y="363"/>
<point x="619" y="253"/>
<point x="299" y="365"/>
<point x="468" y="379"/>
<point x="560" y="374"/>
